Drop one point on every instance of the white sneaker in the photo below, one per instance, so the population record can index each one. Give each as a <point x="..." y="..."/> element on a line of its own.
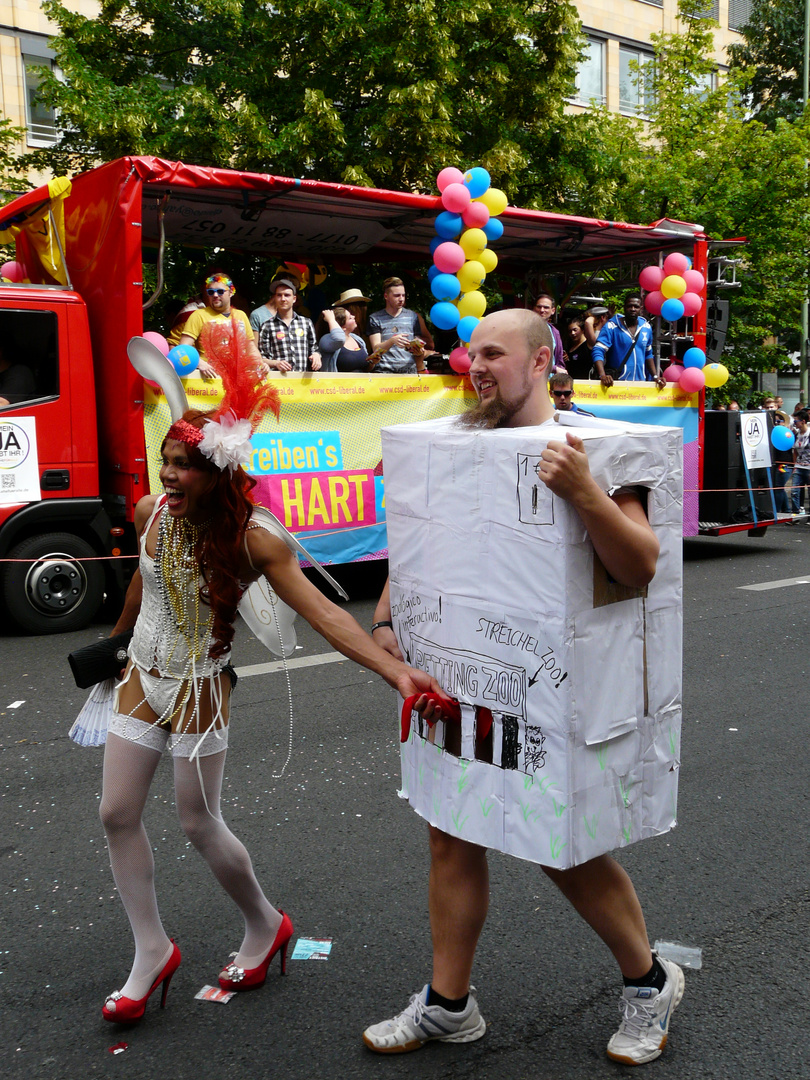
<point x="646" y="1014"/>
<point x="421" y="1023"/>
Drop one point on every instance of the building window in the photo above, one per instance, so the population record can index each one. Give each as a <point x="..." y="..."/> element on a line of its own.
<point x="635" y="81"/>
<point x="590" y="84"/>
<point x="40" y="119"/>
<point x="739" y="12"/>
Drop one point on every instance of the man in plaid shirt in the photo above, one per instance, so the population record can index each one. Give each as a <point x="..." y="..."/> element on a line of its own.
<point x="287" y="340"/>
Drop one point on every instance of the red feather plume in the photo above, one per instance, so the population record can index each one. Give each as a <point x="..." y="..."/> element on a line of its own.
<point x="224" y="346"/>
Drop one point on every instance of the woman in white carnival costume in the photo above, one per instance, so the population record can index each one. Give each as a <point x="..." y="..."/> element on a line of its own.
<point x="202" y="543"/>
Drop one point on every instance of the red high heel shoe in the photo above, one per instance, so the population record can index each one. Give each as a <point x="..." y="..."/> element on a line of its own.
<point x="236" y="978"/>
<point x="128" y="1010"/>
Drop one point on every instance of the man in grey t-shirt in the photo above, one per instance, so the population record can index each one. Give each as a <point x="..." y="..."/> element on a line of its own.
<point x="391" y="329"/>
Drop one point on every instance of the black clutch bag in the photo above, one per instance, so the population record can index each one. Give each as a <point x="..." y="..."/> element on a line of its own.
<point x="99" y="661"/>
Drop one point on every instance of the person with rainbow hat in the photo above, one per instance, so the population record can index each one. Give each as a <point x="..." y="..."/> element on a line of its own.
<point x="218" y="290"/>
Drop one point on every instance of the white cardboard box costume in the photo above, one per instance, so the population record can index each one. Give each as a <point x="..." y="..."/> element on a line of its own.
<point x="497" y="592"/>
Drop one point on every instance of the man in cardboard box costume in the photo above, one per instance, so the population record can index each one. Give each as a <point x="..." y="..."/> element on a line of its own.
<point x="540" y="584"/>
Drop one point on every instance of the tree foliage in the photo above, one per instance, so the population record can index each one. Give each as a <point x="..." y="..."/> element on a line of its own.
<point x="364" y="92"/>
<point x="771" y="55"/>
<point x="702" y="157"/>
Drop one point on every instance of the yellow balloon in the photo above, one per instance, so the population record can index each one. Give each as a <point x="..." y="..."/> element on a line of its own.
<point x="673" y="287"/>
<point x="471" y="275"/>
<point x="488" y="259"/>
<point x="716" y="375"/>
<point x="494" y="200"/>
<point x="473" y="242"/>
<point x="472" y="303"/>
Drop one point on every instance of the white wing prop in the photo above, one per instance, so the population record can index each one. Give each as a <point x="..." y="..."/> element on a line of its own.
<point x="270" y="619"/>
<point x="151" y="364"/>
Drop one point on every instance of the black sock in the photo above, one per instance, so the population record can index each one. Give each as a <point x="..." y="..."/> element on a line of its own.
<point x="655" y="977"/>
<point x="448" y="1004"/>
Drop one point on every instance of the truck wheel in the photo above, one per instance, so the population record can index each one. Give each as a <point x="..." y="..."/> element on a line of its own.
<point x="53" y="592"/>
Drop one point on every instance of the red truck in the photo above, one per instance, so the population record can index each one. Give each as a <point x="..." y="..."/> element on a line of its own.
<point x="85" y="300"/>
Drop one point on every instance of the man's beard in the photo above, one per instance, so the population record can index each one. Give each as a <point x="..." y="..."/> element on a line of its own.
<point x="493" y="413"/>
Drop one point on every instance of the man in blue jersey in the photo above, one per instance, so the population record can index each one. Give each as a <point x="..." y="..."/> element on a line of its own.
<point x="623" y="349"/>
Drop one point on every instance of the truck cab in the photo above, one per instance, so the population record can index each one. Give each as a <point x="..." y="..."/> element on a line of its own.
<point x="48" y="577"/>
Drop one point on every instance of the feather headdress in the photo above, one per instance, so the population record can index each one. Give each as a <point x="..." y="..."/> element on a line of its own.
<point x="225" y="437"/>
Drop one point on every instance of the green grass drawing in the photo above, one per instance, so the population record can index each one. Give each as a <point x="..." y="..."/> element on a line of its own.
<point x="601" y="755"/>
<point x="436" y="805"/>
<point x="526" y="810"/>
<point x="486" y="805"/>
<point x="459" y="826"/>
<point x="591" y="825"/>
<point x="527" y="782"/>
<point x="556" y="843"/>
<point x="559" y="808"/>
<point x="463" y="780"/>
<point x="546" y="785"/>
<point x="627" y="834"/>
<point x="673" y="742"/>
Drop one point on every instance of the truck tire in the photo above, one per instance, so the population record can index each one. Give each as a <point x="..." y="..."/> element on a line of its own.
<point x="53" y="592"/>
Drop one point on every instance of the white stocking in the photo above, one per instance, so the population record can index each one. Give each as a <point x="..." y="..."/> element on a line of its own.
<point x="128" y="772"/>
<point x="227" y="856"/>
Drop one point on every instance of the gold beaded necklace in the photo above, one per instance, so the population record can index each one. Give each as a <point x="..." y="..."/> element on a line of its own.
<point x="180" y="572"/>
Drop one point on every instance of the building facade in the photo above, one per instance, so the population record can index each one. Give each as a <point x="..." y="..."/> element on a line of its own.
<point x="619" y="33"/>
<point x="24" y="35"/>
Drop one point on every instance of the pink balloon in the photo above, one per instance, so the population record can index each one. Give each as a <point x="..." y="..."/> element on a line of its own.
<point x="476" y="215"/>
<point x="449" y="176"/>
<point x="456" y="198"/>
<point x="449" y="257"/>
<point x="650" y="278"/>
<point x="692" y="303"/>
<point x="675" y="263"/>
<point x="673" y="373"/>
<point x="692" y="380"/>
<point x="14" y="271"/>
<point x="694" y="281"/>
<point x="653" y="302"/>
<point x="460" y="360"/>
<point x="158" y="340"/>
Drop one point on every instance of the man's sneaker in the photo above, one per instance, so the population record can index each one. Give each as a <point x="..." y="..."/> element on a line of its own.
<point x="421" y="1023"/>
<point x="646" y="1014"/>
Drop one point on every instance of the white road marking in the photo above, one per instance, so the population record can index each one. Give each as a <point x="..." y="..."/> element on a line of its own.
<point x="298" y="662"/>
<point x="783" y="583"/>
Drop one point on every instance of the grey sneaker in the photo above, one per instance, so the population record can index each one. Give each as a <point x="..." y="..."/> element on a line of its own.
<point x="421" y="1023"/>
<point x="646" y="1014"/>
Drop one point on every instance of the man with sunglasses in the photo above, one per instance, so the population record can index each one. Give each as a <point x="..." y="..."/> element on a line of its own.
<point x="218" y="290"/>
<point x="562" y="394"/>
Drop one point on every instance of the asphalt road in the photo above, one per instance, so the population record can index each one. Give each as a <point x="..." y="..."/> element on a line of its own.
<point x="334" y="846"/>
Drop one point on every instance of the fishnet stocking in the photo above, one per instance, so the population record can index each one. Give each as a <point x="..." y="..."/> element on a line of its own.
<point x="227" y="856"/>
<point x="128" y="772"/>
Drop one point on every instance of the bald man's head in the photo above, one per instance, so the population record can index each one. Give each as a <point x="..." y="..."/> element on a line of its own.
<point x="510" y="352"/>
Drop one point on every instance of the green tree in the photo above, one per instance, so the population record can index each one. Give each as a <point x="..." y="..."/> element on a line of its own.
<point x="365" y="92"/>
<point x="701" y="157"/>
<point x="771" y="54"/>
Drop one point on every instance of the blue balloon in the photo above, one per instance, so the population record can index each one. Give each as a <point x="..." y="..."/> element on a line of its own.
<point x="433" y="272"/>
<point x="466" y="326"/>
<point x="493" y="230"/>
<point x="448" y="226"/>
<point x="445" y="287"/>
<point x="184" y="359"/>
<point x="444" y="315"/>
<point x="782" y="437"/>
<point x="672" y="310"/>
<point x="434" y="243"/>
<point x="693" y="357"/>
<point x="477" y="181"/>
